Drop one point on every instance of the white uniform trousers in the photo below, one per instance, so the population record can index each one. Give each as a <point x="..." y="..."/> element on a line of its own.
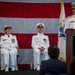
<point x="37" y="57"/>
<point x="12" y="53"/>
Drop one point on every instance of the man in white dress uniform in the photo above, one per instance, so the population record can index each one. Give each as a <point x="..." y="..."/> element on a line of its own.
<point x="40" y="44"/>
<point x="9" y="48"/>
<point x="70" y="21"/>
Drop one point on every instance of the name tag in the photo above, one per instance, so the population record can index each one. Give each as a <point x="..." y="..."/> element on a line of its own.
<point x="4" y="39"/>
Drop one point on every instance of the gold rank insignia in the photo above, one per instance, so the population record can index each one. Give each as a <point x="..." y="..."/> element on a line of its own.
<point x="44" y="40"/>
<point x="13" y="40"/>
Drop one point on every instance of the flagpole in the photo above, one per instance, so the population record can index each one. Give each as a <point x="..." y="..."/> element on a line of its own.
<point x="62" y="1"/>
<point x="61" y="35"/>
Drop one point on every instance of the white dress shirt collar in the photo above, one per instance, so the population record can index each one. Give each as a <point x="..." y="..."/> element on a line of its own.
<point x="40" y="34"/>
<point x="7" y="35"/>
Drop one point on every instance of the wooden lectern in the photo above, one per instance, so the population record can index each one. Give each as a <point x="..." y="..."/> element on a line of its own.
<point x="70" y="44"/>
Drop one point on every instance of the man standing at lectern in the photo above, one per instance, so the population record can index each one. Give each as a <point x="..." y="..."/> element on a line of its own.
<point x="70" y="21"/>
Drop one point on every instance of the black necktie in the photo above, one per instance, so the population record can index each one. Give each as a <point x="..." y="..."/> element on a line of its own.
<point x="8" y="36"/>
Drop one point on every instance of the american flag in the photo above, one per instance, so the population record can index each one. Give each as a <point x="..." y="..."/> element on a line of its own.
<point x="23" y="15"/>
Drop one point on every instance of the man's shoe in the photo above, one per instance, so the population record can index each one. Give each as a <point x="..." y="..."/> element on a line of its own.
<point x="38" y="68"/>
<point x="6" y="69"/>
<point x="16" y="68"/>
<point x="13" y="69"/>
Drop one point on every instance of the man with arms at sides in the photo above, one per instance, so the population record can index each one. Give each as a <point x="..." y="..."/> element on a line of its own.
<point x="70" y="21"/>
<point x="53" y="65"/>
<point x="9" y="46"/>
<point x="40" y="44"/>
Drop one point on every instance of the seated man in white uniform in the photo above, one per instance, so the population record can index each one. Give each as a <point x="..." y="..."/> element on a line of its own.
<point x="40" y="44"/>
<point x="70" y="21"/>
<point x="9" y="48"/>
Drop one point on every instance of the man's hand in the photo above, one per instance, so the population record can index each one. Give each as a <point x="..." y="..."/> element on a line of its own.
<point x="41" y="48"/>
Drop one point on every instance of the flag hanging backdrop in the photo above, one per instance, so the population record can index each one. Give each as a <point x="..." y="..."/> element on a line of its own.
<point x="61" y="32"/>
<point x="23" y="15"/>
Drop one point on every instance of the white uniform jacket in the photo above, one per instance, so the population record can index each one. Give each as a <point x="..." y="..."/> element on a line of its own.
<point x="40" y="40"/>
<point x="70" y="22"/>
<point x="8" y="42"/>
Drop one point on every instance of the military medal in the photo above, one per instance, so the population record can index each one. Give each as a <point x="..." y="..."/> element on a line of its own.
<point x="13" y="40"/>
<point x="44" y="40"/>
